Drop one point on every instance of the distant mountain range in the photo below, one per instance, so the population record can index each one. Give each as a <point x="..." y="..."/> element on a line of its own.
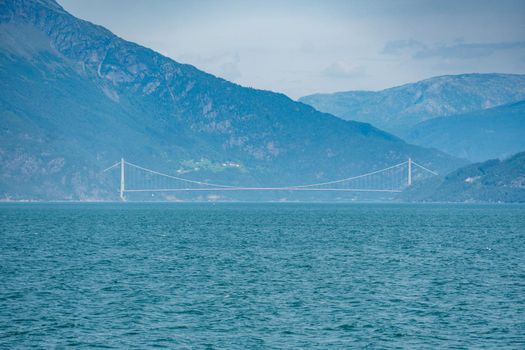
<point x="497" y="132"/>
<point x="74" y="98"/>
<point x="490" y="181"/>
<point x="399" y="109"/>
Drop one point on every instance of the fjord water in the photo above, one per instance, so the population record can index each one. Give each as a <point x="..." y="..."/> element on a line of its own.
<point x="243" y="276"/>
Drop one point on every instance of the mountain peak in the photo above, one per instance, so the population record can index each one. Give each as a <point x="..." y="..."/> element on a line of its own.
<point x="26" y="8"/>
<point x="397" y="109"/>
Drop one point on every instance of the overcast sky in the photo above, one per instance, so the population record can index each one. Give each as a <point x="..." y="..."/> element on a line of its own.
<point x="303" y="47"/>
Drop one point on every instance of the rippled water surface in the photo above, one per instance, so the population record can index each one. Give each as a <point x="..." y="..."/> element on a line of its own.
<point x="248" y="276"/>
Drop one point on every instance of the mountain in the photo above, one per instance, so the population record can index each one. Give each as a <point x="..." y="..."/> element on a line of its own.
<point x="74" y="98"/>
<point x="489" y="133"/>
<point x="398" y="109"/>
<point x="490" y="181"/>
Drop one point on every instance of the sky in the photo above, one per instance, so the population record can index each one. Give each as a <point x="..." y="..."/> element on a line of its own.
<point x="305" y="47"/>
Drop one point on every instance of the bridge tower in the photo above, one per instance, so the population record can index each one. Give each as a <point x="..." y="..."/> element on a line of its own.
<point x="122" y="179"/>
<point x="409" y="180"/>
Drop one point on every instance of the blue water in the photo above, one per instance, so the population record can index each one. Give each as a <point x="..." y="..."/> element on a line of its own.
<point x="250" y="276"/>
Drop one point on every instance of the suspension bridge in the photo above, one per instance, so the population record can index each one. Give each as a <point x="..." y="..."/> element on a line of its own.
<point x="135" y="178"/>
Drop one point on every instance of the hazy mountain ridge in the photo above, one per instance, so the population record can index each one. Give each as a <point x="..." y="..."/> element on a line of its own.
<point x="491" y="181"/>
<point x="75" y="98"/>
<point x="399" y="108"/>
<point x="497" y="132"/>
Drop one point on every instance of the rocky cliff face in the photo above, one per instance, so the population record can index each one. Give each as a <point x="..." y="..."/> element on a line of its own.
<point x="74" y="98"/>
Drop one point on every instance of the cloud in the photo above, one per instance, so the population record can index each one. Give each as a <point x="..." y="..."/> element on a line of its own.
<point x="343" y="70"/>
<point x="230" y="69"/>
<point x="456" y="50"/>
<point x="467" y="50"/>
<point x="224" y="65"/>
<point x="397" y="47"/>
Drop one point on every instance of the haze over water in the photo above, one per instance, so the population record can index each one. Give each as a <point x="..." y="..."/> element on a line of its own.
<point x="262" y="276"/>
